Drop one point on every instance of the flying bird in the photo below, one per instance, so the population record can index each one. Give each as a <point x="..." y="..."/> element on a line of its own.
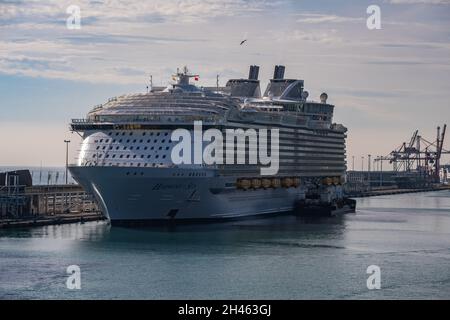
<point x="242" y="42"/>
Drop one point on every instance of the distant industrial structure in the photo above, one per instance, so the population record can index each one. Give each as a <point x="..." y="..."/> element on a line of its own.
<point x="415" y="164"/>
<point x="20" y="199"/>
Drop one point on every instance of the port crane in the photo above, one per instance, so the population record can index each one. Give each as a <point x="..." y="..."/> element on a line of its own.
<point x="420" y="156"/>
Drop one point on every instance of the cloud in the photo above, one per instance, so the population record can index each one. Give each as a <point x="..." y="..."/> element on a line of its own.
<point x="419" y="1"/>
<point x="326" y="18"/>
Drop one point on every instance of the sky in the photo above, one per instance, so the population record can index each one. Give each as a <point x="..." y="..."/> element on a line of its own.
<point x="385" y="83"/>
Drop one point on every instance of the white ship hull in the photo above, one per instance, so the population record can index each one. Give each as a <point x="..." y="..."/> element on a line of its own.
<point x="158" y="196"/>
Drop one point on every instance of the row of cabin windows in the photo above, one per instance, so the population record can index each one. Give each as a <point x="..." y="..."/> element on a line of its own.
<point x="131" y="148"/>
<point x="143" y="133"/>
<point x="128" y="156"/>
<point x="132" y="141"/>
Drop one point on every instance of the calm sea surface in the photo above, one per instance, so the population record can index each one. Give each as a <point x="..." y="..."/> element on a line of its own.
<point x="407" y="236"/>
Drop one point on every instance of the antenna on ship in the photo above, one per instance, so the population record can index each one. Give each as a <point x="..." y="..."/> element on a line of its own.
<point x="217" y="82"/>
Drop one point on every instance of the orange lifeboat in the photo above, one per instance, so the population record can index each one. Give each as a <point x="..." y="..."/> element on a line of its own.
<point x="244" y="184"/>
<point x="276" y="183"/>
<point x="287" y="182"/>
<point x="266" y="183"/>
<point x="256" y="183"/>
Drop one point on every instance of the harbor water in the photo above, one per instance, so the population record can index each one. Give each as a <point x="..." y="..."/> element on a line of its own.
<point x="407" y="236"/>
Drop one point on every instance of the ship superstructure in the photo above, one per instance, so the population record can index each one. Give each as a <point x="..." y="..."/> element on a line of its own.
<point x="126" y="159"/>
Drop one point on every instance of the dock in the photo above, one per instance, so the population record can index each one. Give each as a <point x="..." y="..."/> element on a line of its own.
<point x="394" y="191"/>
<point x="24" y="205"/>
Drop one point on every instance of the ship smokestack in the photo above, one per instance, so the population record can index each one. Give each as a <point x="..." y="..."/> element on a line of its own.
<point x="253" y="73"/>
<point x="279" y="72"/>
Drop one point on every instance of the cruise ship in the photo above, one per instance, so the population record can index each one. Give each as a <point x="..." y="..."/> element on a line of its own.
<point x="126" y="155"/>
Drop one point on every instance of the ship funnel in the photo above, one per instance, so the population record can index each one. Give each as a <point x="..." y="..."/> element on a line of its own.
<point x="279" y="72"/>
<point x="253" y="73"/>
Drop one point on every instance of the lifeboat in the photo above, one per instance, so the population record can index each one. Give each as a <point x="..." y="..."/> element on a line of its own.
<point x="296" y="182"/>
<point x="266" y="183"/>
<point x="276" y="183"/>
<point x="327" y="181"/>
<point x="287" y="182"/>
<point x="244" y="184"/>
<point x="256" y="183"/>
<point x="336" y="180"/>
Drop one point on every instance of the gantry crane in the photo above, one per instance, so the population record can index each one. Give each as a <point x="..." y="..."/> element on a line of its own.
<point x="419" y="156"/>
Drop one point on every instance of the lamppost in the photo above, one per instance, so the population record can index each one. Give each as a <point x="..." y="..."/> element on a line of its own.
<point x="67" y="159"/>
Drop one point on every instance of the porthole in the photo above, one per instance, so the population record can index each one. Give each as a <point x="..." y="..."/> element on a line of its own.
<point x="98" y="147"/>
<point x="134" y="141"/>
<point x="128" y="140"/>
<point x="101" y="140"/>
<point x="128" y="156"/>
<point x="121" y="156"/>
<point x="131" y="148"/>
<point x="134" y="156"/>
<point x="131" y="133"/>
<point x="158" y="134"/>
<point x="143" y="134"/>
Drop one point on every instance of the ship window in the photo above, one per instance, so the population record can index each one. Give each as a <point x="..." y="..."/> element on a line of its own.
<point x="167" y="148"/>
<point x="166" y="133"/>
<point x="155" y="141"/>
<point x="157" y="156"/>
<point x="117" y="133"/>
<point x="137" y="148"/>
<point x="99" y="155"/>
<point x="114" y="140"/>
<point x="93" y="156"/>
<point x="134" y="141"/>
<point x="120" y="141"/>
<point x="164" y="156"/>
<point x="107" y="156"/>
<point x="160" y="148"/>
<point x="101" y="140"/>
<point x="151" y="133"/>
<point x="128" y="173"/>
<point x="158" y="134"/>
<point x="148" y="157"/>
<point x="128" y="140"/>
<point x="141" y="141"/>
<point x="123" y="133"/>
<point x="148" y="141"/>
<point x="145" y="148"/>
<point x="107" y="140"/>
<point x="152" y="148"/>
<point x="138" y="164"/>
<point x="145" y="164"/>
<point x="121" y="156"/>
<point x="131" y="133"/>
<point x="103" y="148"/>
<point x="131" y="148"/>
<point x="142" y="156"/>
<point x="117" y="148"/>
<point x="134" y="173"/>
<point x="124" y="148"/>
<point x="98" y="147"/>
<point x="143" y="134"/>
<point x="128" y="155"/>
<point x="142" y="173"/>
<point x="134" y="156"/>
<point x="114" y="156"/>
<point x="163" y="141"/>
